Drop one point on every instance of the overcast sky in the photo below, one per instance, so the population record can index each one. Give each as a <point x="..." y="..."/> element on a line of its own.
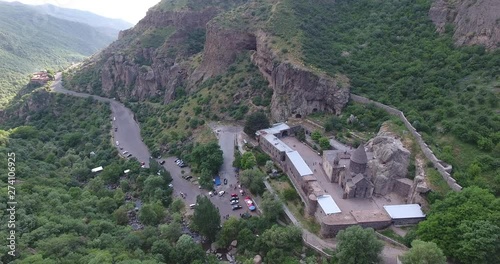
<point x="129" y="10"/>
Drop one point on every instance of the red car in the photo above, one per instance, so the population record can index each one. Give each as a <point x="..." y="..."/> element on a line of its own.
<point x="249" y="203"/>
<point x="234" y="195"/>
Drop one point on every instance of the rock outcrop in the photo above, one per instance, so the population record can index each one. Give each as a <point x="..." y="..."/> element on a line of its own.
<point x="129" y="69"/>
<point x="221" y="48"/>
<point x="298" y="91"/>
<point x="390" y="162"/>
<point x="475" y="21"/>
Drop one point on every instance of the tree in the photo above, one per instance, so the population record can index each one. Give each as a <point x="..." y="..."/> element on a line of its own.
<point x="358" y="246"/>
<point x="171" y="232"/>
<point x="424" y="253"/>
<point x="284" y="238"/>
<point x="207" y="156"/>
<point x="111" y="173"/>
<point x="316" y="135"/>
<point x="254" y="180"/>
<point x="480" y="242"/>
<point x="254" y="122"/>
<point x="206" y="217"/>
<point x="121" y="216"/>
<point x="229" y="232"/>
<point x="269" y="166"/>
<point x="324" y="143"/>
<point x="187" y="251"/>
<point x="248" y="161"/>
<point x="459" y="211"/>
<point x="271" y="206"/>
<point x="151" y="214"/>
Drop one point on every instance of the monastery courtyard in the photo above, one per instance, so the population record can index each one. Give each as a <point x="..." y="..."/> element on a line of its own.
<point x="314" y="160"/>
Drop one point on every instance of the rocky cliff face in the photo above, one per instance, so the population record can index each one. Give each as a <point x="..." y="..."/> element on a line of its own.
<point x="475" y="21"/>
<point x="37" y="101"/>
<point x="131" y="70"/>
<point x="390" y="162"/>
<point x="297" y="90"/>
<point x="221" y="48"/>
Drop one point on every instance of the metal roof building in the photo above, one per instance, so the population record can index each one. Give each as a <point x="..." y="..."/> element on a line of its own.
<point x="405" y="214"/>
<point x="328" y="204"/>
<point x="299" y="163"/>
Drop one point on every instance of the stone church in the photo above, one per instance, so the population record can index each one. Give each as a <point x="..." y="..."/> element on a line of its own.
<point x="349" y="170"/>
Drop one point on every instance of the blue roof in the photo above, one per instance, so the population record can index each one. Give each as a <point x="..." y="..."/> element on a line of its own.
<point x="217" y="180"/>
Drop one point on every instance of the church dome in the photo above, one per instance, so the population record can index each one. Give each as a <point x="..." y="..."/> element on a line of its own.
<point x="359" y="155"/>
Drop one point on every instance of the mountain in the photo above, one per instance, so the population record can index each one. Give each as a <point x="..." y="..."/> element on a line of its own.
<point x="196" y="60"/>
<point x="32" y="41"/>
<point x="106" y="25"/>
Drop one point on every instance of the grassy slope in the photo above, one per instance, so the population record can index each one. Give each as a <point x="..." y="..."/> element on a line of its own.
<point x="30" y="41"/>
<point x="391" y="53"/>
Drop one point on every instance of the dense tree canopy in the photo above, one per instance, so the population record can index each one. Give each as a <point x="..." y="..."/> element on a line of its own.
<point x="358" y="246"/>
<point x="423" y="253"/>
<point x="465" y="225"/>
<point x="254" y="122"/>
<point x="253" y="179"/>
<point x="206" y="217"/>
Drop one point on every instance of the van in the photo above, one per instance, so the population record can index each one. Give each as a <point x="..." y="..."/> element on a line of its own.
<point x="192" y="206"/>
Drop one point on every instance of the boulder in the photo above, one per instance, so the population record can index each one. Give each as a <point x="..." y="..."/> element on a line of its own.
<point x="257" y="259"/>
<point x="390" y="162"/>
<point x="234" y="243"/>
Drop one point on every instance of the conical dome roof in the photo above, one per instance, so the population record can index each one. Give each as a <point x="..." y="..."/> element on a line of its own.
<point x="359" y="155"/>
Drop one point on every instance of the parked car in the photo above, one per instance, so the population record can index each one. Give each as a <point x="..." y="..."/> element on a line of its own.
<point x="125" y="152"/>
<point x="178" y="161"/>
<point x="171" y="185"/>
<point x="249" y="203"/>
<point x="189" y="177"/>
<point x="234" y="199"/>
<point x="236" y="207"/>
<point x="246" y="215"/>
<point x="192" y="206"/>
<point x="129" y="155"/>
<point x="162" y="162"/>
<point x="116" y="129"/>
<point x="221" y="193"/>
<point x="234" y="195"/>
<point x="117" y="143"/>
<point x="225" y="181"/>
<point x="233" y="202"/>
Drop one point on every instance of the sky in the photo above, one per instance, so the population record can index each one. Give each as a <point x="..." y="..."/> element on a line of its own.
<point x="128" y="10"/>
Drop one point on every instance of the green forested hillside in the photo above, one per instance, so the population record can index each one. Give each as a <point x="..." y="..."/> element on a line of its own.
<point x="392" y="54"/>
<point x="31" y="41"/>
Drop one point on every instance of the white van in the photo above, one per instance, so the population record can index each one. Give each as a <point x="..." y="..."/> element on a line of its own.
<point x="192" y="206"/>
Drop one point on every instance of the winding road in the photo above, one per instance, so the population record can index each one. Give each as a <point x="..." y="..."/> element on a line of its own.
<point x="128" y="133"/>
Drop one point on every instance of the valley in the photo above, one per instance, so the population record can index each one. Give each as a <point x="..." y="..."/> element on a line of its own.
<point x="282" y="97"/>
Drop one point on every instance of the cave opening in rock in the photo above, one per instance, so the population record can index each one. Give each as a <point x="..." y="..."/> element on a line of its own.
<point x="315" y="110"/>
<point x="298" y="116"/>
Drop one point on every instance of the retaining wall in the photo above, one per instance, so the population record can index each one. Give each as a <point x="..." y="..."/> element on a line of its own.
<point x="423" y="146"/>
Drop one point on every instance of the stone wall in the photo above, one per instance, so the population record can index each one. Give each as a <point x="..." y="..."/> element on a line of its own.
<point x="444" y="171"/>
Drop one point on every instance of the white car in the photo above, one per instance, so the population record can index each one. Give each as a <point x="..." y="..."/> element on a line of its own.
<point x="117" y="143"/>
<point x="171" y="185"/>
<point x="221" y="193"/>
<point x="125" y="152"/>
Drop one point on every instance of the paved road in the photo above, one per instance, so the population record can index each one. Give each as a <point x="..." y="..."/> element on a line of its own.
<point x="128" y="134"/>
